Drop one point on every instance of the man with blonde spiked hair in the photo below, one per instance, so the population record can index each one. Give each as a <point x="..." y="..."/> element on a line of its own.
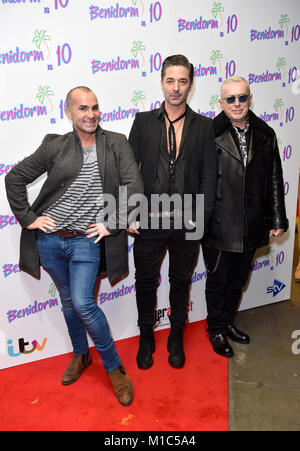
<point x="249" y="208"/>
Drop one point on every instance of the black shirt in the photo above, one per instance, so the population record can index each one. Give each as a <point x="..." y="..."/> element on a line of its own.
<point x="162" y="181"/>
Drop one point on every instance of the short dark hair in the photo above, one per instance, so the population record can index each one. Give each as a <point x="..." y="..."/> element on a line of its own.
<point x="70" y="94"/>
<point x="177" y="60"/>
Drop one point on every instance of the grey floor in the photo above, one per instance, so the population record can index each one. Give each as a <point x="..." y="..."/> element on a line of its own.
<point x="264" y="376"/>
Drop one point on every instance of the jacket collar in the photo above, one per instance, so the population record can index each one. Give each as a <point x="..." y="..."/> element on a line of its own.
<point x="257" y="126"/>
<point x="190" y="115"/>
<point x="99" y="131"/>
<point x="160" y="112"/>
<point x="222" y="122"/>
<point x="100" y="146"/>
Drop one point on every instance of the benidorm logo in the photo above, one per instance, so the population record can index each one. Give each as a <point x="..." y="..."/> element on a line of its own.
<point x="197" y="24"/>
<point x="270" y="75"/>
<point x="276" y="288"/>
<point x="20" y="55"/>
<point x="118" y="293"/>
<point x="122" y="64"/>
<point x="278" y="107"/>
<point x="264" y="77"/>
<point x="37" y="307"/>
<point x="22" y="112"/>
<point x="201" y="23"/>
<point x="270" y="33"/>
<point x="113" y="12"/>
<point x="116" y="64"/>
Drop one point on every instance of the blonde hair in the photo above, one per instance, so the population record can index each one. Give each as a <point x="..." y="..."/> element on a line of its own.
<point x="236" y="79"/>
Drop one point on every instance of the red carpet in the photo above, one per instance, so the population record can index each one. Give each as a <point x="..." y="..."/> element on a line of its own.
<point x="193" y="398"/>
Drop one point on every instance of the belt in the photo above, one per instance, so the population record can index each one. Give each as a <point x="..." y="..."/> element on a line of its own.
<point x="69" y="233"/>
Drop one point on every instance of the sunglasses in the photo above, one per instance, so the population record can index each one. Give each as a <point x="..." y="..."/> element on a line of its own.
<point x="242" y="98"/>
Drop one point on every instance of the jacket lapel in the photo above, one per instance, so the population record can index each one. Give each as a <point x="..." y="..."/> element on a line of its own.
<point x="256" y="143"/>
<point x="226" y="142"/>
<point x="156" y="133"/>
<point x="186" y="133"/>
<point x="100" y="145"/>
<point x="252" y="146"/>
<point x="73" y="157"/>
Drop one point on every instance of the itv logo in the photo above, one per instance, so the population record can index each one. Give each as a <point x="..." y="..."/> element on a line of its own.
<point x="276" y="288"/>
<point x="23" y="346"/>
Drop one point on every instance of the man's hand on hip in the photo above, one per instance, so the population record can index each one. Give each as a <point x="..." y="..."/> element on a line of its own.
<point x="43" y="223"/>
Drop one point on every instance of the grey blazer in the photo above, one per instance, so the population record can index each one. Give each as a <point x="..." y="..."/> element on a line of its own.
<point x="61" y="157"/>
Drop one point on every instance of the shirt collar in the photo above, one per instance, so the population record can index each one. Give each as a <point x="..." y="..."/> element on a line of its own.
<point x="161" y="112"/>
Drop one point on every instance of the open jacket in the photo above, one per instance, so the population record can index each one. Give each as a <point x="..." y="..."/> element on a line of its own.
<point x="199" y="153"/>
<point x="61" y="157"/>
<point x="251" y="197"/>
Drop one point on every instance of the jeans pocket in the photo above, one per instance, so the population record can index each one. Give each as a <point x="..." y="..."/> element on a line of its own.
<point x="41" y="234"/>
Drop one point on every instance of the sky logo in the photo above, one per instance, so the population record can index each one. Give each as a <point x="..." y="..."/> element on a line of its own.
<point x="276" y="288"/>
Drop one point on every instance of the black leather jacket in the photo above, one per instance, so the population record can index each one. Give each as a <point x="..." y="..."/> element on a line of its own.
<point x="250" y="198"/>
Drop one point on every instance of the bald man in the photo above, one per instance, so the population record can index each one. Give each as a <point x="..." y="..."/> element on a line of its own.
<point x="249" y="208"/>
<point x="66" y="232"/>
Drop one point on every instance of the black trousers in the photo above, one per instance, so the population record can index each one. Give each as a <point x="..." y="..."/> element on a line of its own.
<point x="224" y="285"/>
<point x="149" y="248"/>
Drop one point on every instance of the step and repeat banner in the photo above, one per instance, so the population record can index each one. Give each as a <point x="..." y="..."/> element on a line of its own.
<point x="116" y="47"/>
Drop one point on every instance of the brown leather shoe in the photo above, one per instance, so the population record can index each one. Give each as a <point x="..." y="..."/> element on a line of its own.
<point x="75" y="368"/>
<point x="122" y="386"/>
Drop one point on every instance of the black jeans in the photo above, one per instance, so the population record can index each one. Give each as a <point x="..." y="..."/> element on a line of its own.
<point x="149" y="248"/>
<point x="224" y="286"/>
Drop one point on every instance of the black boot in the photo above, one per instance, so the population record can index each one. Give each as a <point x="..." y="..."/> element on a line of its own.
<point x="146" y="348"/>
<point x="175" y="348"/>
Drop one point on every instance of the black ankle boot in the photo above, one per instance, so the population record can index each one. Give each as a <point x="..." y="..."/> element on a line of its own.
<point x="146" y="348"/>
<point x="175" y="348"/>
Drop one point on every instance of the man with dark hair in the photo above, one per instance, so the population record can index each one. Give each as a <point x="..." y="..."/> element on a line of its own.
<point x="177" y="60"/>
<point x="65" y="229"/>
<point x="174" y="147"/>
<point x="249" y="208"/>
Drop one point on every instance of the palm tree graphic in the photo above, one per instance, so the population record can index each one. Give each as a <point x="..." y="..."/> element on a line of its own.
<point x="40" y="37"/>
<point x="215" y="57"/>
<point x="217" y="10"/>
<point x="137" y="47"/>
<point x="134" y="2"/>
<point x="269" y="254"/>
<point x="138" y="96"/>
<point x="278" y="106"/>
<point x="214" y="100"/>
<point x="281" y="62"/>
<point x="283" y="21"/>
<point x="52" y="290"/>
<point x="45" y="92"/>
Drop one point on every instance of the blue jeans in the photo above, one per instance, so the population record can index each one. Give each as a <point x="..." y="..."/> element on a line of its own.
<point x="73" y="264"/>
